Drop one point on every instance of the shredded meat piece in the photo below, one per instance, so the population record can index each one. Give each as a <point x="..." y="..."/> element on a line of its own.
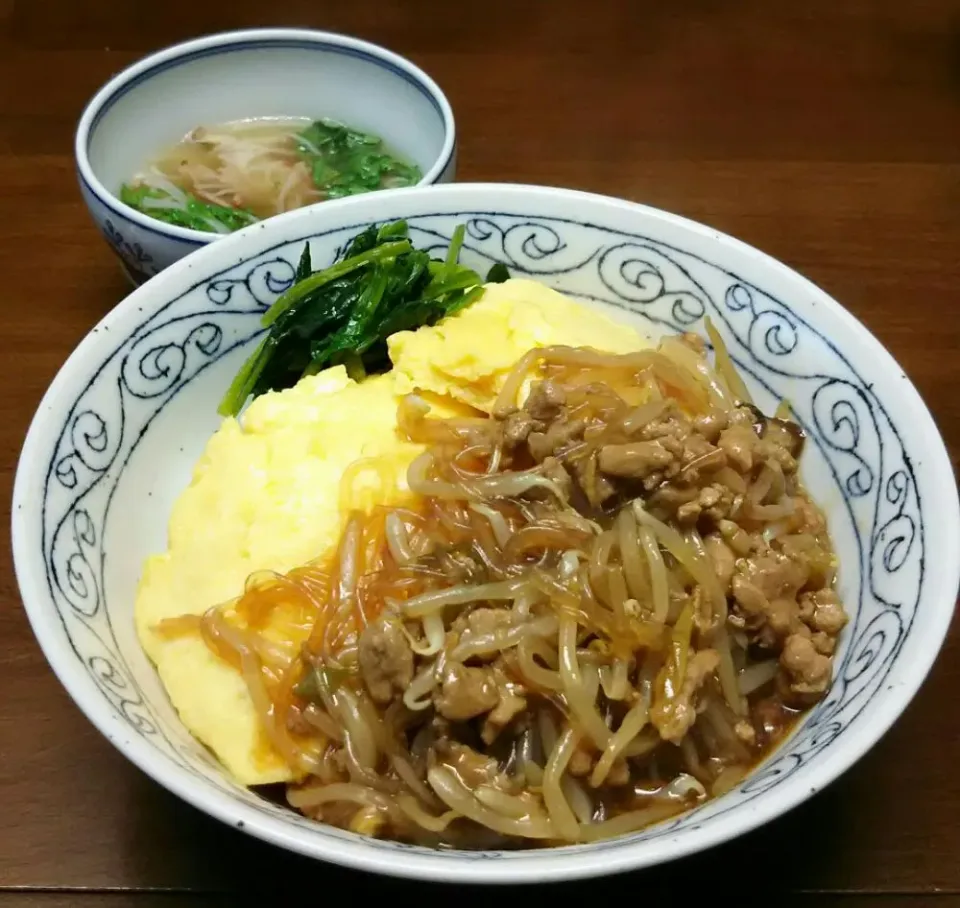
<point x="739" y="444"/>
<point x="386" y="660"/>
<point x="785" y="434"/>
<point x="713" y="501"/>
<point x="672" y="457"/>
<point x="689" y="512"/>
<point x="711" y="424"/>
<point x="553" y="469"/>
<point x="485" y="620"/>
<point x="517" y="428"/>
<point x="512" y="702"/>
<point x="670" y="429"/>
<point x="466" y="692"/>
<point x="751" y="603"/>
<point x="596" y="487"/>
<point x="782" y="618"/>
<point x="545" y="400"/>
<point x="773" y="574"/>
<point x="460" y="565"/>
<point x="824" y="643"/>
<point x="765" y="587"/>
<point x="779" y="455"/>
<point x="825" y="611"/>
<point x="808" y="518"/>
<point x="480" y="622"/>
<point x="722" y="559"/>
<point x="510" y="706"/>
<point x="556" y="439"/>
<point x="736" y="537"/>
<point x="807" y="671"/>
<point x="675" y="722"/>
<point x="671" y="498"/>
<point x="296" y="723"/>
<point x="634" y="460"/>
<point x="747" y="415"/>
<point x="718" y="501"/>
<point x="772" y="603"/>
<point x="709" y="461"/>
<point x="696" y="447"/>
<point x="540" y="423"/>
<point x="473" y="769"/>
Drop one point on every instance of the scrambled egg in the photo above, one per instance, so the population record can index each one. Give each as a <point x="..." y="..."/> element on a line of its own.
<point x="470" y="355"/>
<point x="265" y="494"/>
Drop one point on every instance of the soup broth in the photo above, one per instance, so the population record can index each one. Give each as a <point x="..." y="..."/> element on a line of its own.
<point x="223" y="177"/>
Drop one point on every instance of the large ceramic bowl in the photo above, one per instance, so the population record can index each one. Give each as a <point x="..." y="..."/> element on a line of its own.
<point x="115" y="437"/>
<point x="263" y="72"/>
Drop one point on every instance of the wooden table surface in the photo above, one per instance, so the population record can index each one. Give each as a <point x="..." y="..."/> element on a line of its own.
<point x="826" y="132"/>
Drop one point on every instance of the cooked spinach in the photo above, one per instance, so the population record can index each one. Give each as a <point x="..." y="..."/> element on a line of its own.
<point x="343" y="314"/>
<point x="345" y="162"/>
<point x="193" y="214"/>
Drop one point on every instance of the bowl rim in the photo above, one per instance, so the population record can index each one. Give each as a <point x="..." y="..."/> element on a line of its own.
<point x="529" y="866"/>
<point x="225" y="42"/>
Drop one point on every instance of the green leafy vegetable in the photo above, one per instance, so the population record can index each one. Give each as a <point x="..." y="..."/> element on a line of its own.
<point x="310" y="686"/>
<point x="343" y="314"/>
<point x="307" y="285"/>
<point x="345" y="162"/>
<point x="497" y="274"/>
<point x="304" y="266"/>
<point x="193" y="214"/>
<point x="456" y="244"/>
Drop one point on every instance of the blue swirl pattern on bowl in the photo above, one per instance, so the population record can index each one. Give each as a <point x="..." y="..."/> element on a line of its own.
<point x="672" y="290"/>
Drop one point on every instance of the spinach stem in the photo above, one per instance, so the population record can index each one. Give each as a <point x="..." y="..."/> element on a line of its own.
<point x="308" y="285"/>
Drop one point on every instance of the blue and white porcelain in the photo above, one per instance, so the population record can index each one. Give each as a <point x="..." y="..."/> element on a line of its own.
<point x="115" y="437"/>
<point x="269" y="72"/>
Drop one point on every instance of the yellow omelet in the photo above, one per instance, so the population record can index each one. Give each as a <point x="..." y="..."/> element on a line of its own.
<point x="265" y="494"/>
<point x="469" y="356"/>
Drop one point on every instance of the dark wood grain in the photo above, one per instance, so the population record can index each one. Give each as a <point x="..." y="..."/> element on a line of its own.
<point x="826" y="133"/>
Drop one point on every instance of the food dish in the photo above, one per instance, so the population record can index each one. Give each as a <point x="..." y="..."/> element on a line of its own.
<point x="267" y="494"/>
<point x="226" y="176"/>
<point x="555" y="594"/>
<point x="241" y="75"/>
<point x="114" y="441"/>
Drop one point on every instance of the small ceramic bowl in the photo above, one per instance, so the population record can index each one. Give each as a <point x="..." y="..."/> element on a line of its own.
<point x="114" y="441"/>
<point x="239" y="75"/>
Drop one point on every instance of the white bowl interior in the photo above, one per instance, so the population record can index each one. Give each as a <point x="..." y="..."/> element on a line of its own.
<point x="107" y="461"/>
<point x="264" y="78"/>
